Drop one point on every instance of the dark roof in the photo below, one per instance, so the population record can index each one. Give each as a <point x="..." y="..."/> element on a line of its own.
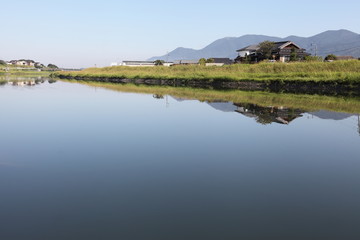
<point x="249" y="48"/>
<point x="223" y="60"/>
<point x="186" y="61"/>
<point x="277" y="45"/>
<point x="344" y="57"/>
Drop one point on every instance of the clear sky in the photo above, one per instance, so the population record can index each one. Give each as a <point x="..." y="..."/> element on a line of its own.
<point x="79" y="33"/>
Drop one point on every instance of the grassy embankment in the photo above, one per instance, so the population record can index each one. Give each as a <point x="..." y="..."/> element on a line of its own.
<point x="299" y="101"/>
<point x="30" y="72"/>
<point x="338" y="71"/>
<point x="15" y="70"/>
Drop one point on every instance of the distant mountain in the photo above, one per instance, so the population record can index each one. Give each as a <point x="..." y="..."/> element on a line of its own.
<point x="223" y="106"/>
<point x="339" y="42"/>
<point x="331" y="115"/>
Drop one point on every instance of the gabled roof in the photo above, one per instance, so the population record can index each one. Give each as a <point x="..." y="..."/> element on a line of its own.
<point x="223" y="60"/>
<point x="249" y="48"/>
<point x="277" y="45"/>
<point x="284" y="44"/>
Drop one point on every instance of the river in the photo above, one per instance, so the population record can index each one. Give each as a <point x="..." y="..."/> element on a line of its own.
<point x="82" y="161"/>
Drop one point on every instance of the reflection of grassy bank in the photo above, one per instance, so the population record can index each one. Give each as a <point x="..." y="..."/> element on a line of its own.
<point x="26" y="73"/>
<point x="23" y="76"/>
<point x="338" y="71"/>
<point x="305" y="102"/>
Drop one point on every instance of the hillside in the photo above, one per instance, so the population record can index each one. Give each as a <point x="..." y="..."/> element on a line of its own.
<point x="339" y="42"/>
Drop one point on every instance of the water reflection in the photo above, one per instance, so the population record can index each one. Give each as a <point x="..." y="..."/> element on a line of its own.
<point x="273" y="114"/>
<point x="266" y="115"/>
<point x="264" y="107"/>
<point x="198" y="165"/>
<point x="24" y="80"/>
<point x="262" y="115"/>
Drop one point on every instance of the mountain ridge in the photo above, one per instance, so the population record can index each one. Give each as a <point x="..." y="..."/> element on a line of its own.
<point x="339" y="42"/>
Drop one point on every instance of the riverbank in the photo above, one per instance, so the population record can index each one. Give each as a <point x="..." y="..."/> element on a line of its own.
<point x="303" y="77"/>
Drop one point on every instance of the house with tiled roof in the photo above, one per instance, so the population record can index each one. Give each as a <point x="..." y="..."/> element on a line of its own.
<point x="281" y="52"/>
<point x="22" y="62"/>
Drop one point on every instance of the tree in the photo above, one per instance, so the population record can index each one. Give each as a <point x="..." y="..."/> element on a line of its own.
<point x="293" y="55"/>
<point x="202" y="61"/>
<point x="330" y="57"/>
<point x="210" y="60"/>
<point x="2" y="62"/>
<point x="52" y="66"/>
<point x="158" y="96"/>
<point x="265" y="49"/>
<point x="159" y="62"/>
<point x="39" y="65"/>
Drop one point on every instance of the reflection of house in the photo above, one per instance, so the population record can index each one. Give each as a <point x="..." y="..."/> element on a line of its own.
<point x="23" y="83"/>
<point x="263" y="115"/>
<point x="281" y="51"/>
<point x="267" y="115"/>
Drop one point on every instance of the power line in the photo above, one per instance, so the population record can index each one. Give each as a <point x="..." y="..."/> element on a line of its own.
<point x="342" y="50"/>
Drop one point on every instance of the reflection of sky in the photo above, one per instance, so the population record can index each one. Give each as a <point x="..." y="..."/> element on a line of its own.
<point x="87" y="161"/>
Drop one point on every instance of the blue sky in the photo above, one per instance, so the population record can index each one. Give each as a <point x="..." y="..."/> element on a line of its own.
<point x="85" y="33"/>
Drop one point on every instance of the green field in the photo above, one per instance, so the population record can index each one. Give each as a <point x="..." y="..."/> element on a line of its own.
<point x="338" y="71"/>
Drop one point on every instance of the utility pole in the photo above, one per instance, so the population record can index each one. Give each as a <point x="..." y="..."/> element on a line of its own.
<point x="314" y="48"/>
<point x="359" y="123"/>
<point x="167" y="56"/>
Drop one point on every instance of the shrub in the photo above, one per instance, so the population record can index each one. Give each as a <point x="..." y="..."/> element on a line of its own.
<point x="330" y="57"/>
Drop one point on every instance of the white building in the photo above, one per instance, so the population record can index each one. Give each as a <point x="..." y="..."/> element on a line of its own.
<point x="138" y="63"/>
<point x="246" y="51"/>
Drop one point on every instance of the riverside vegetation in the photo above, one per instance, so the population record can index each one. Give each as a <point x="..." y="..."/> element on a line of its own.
<point x="346" y="72"/>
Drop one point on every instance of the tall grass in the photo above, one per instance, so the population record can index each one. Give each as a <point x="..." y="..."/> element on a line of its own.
<point x="347" y="71"/>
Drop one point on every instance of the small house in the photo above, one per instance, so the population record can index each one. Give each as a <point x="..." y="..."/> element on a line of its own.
<point x="186" y="62"/>
<point x="220" y="62"/>
<point x="247" y="51"/>
<point x="281" y="52"/>
<point x="23" y="62"/>
<point x="345" y="58"/>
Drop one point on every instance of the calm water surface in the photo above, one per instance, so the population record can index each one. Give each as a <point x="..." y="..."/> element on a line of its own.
<point x="79" y="162"/>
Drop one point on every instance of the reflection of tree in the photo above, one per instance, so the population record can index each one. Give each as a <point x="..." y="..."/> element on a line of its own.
<point x="268" y="115"/>
<point x="158" y="96"/>
<point x="264" y="118"/>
